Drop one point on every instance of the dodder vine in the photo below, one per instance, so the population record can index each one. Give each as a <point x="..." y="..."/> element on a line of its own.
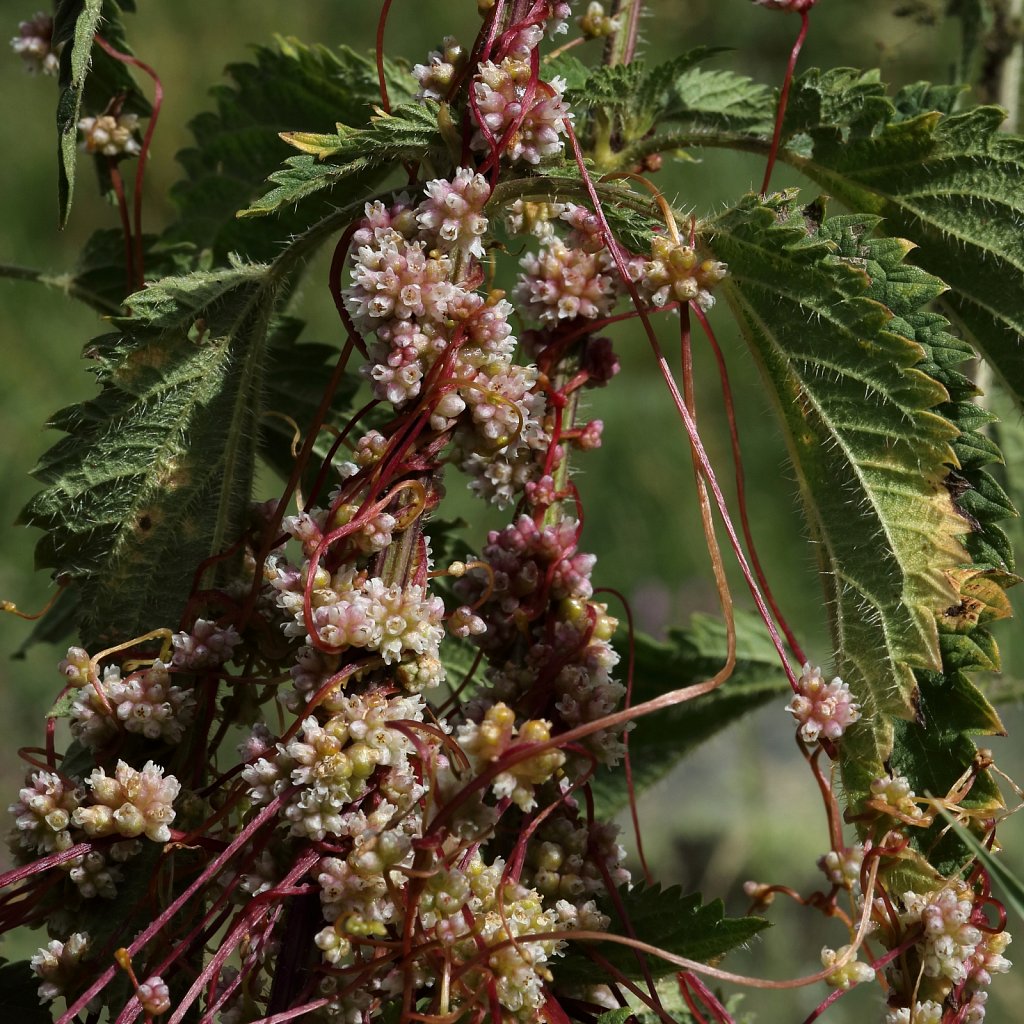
<point x="327" y="763"/>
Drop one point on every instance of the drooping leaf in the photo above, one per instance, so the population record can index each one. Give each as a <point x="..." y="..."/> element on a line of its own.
<point x="286" y="88"/>
<point x="89" y="79"/>
<point x="357" y="157"/>
<point x="870" y="450"/>
<point x="678" y="924"/>
<point x="154" y="474"/>
<point x="659" y="742"/>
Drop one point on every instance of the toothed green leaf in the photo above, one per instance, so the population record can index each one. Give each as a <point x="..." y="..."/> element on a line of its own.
<point x="678" y="924"/>
<point x="155" y="472"/>
<point x="869" y="447"/>
<point x="89" y="79"/>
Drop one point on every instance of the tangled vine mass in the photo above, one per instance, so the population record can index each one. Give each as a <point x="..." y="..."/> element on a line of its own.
<point x="348" y="764"/>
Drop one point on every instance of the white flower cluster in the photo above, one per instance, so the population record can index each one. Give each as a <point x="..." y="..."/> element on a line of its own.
<point x="130" y="803"/>
<point x="206" y="646"/>
<point x="331" y="764"/>
<point x="34" y="44"/>
<point x="146" y="703"/>
<point x="107" y="135"/>
<point x="42" y="814"/>
<point x="351" y="609"/>
<point x="820" y="708"/>
<point x="59" y="965"/>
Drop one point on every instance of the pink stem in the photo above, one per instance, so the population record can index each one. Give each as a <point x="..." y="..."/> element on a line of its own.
<point x="783" y="101"/>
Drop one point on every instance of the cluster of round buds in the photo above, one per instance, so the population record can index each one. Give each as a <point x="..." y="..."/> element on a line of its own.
<point x="570" y="860"/>
<point x="596" y="23"/>
<point x="351" y="609"/>
<point x="357" y="893"/>
<point x="453" y="211"/>
<point x="675" y="273"/>
<point x="534" y="126"/>
<point x="131" y="803"/>
<point x="489" y="740"/>
<point x="952" y="946"/>
<point x="59" y="965"/>
<point x="42" y="814"/>
<point x="34" y="44"/>
<point x="853" y="973"/>
<point x="822" y="709"/>
<point x="843" y="867"/>
<point x="558" y="14"/>
<point x="927" y="1012"/>
<point x="144" y="703"/>
<point x="207" y="646"/>
<point x="438" y="74"/>
<point x="111" y="136"/>
<point x="332" y="763"/>
<point x="562" y="283"/>
<point x="894" y="792"/>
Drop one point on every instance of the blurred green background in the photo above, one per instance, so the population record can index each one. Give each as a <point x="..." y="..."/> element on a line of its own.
<point x="743" y="808"/>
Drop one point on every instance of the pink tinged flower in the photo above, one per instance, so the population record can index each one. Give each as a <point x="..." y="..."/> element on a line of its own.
<point x="560" y="283"/>
<point x="820" y="708"/>
<point x="535" y="120"/>
<point x="131" y="803"/>
<point x="58" y="965"/>
<point x="34" y="44"/>
<point x="42" y="813"/>
<point x="437" y="76"/>
<point x="208" y="645"/>
<point x="395" y="279"/>
<point x="154" y="995"/>
<point x="453" y="211"/>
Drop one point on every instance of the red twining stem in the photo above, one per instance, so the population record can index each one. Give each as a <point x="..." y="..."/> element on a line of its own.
<point x="741" y="490"/>
<point x="783" y="100"/>
<point x="385" y="9"/>
<point x="147" y="139"/>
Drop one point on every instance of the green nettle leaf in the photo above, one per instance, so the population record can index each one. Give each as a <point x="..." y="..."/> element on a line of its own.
<point x="870" y="450"/>
<point x="661" y="741"/>
<point x="89" y="78"/>
<point x="934" y="749"/>
<point x="355" y="156"/>
<point x="678" y="924"/>
<point x="155" y="473"/>
<point x="289" y="87"/>
<point x="949" y="183"/>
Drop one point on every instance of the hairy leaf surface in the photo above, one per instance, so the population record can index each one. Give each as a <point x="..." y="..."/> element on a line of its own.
<point x="950" y="183"/>
<point x="678" y="924"/>
<point x="155" y="473"/>
<point x="289" y="87"/>
<point x="354" y="156"/>
<point x="870" y="452"/>
<point x="661" y="741"/>
<point x="88" y="79"/>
